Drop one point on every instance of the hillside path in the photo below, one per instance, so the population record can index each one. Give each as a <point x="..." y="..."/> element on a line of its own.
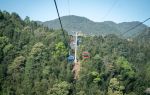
<point x="76" y="70"/>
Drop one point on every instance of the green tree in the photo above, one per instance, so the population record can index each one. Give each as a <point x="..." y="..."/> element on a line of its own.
<point x="125" y="68"/>
<point x="27" y="20"/>
<point x="61" y="88"/>
<point x="15" y="72"/>
<point x="60" y="50"/>
<point x="115" y="88"/>
<point x="35" y="64"/>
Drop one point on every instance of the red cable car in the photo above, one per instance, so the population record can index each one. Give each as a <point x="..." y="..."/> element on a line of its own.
<point x="85" y="55"/>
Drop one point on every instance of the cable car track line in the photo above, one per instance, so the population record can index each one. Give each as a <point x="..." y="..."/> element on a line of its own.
<point x="76" y="68"/>
<point x="110" y="9"/>
<point x="60" y="23"/>
<point x="134" y="27"/>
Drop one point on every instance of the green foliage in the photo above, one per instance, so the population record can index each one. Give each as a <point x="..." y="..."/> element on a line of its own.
<point x="27" y="20"/>
<point x="96" y="77"/>
<point x="61" y="88"/>
<point x="125" y="68"/>
<point x="33" y="62"/>
<point x="147" y="70"/>
<point x="60" y="50"/>
<point x="115" y="88"/>
<point x="17" y="66"/>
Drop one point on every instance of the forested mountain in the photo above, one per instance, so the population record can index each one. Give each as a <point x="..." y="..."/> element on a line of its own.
<point x="75" y="23"/>
<point x="33" y="61"/>
<point x="145" y="35"/>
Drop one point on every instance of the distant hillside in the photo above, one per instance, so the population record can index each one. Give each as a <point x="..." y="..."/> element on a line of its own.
<point x="75" y="23"/>
<point x="144" y="36"/>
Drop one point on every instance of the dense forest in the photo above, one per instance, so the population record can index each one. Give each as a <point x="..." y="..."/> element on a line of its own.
<point x="33" y="61"/>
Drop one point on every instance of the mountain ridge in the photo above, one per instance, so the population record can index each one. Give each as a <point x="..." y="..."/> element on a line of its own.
<point x="76" y="23"/>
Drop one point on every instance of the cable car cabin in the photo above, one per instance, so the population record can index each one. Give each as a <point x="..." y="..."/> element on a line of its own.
<point x="71" y="38"/>
<point x="70" y="58"/>
<point x="79" y="41"/>
<point x="85" y="55"/>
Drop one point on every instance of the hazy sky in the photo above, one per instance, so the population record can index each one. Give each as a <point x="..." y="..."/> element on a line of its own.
<point x="96" y="10"/>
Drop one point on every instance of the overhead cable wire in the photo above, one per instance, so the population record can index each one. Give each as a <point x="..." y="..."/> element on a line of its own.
<point x="60" y="22"/>
<point x="133" y="35"/>
<point x="110" y="9"/>
<point x="134" y="27"/>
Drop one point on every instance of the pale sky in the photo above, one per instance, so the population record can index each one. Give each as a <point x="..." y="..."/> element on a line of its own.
<point x="96" y="10"/>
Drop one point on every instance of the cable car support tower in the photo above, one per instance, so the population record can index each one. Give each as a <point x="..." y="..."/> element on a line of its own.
<point x="76" y="39"/>
<point x="76" y="68"/>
